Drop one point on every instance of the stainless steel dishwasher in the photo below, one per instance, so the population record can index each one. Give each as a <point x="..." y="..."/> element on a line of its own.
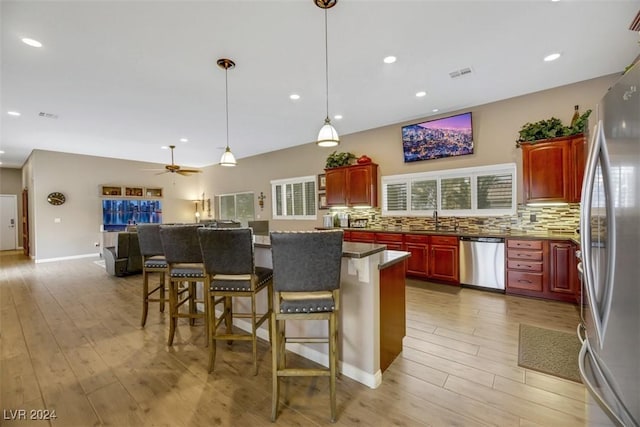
<point x="482" y="262"/>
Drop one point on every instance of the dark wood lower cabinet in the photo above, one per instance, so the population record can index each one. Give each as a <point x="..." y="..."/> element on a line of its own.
<point x="445" y="259"/>
<point x="542" y="268"/>
<point x="536" y="268"/>
<point x="392" y="313"/>
<point x="362" y="236"/>
<point x="418" y="262"/>
<point x="563" y="271"/>
<point x="392" y="240"/>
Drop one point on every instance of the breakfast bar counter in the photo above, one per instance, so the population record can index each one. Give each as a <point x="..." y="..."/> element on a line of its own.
<point x="372" y="311"/>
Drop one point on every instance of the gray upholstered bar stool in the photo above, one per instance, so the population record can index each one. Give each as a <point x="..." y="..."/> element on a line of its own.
<point x="153" y="262"/>
<point x="230" y="273"/>
<point x="306" y="280"/>
<point x="184" y="263"/>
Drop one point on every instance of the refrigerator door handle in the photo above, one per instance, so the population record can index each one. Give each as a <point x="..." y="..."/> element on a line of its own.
<point x="586" y="199"/>
<point x="595" y="375"/>
<point x="598" y="154"/>
<point x="580" y="331"/>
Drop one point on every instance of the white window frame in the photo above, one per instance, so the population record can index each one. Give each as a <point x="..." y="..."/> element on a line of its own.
<point x="472" y="172"/>
<point x="290" y="181"/>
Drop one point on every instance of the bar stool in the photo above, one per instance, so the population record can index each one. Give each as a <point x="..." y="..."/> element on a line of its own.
<point x="153" y="262"/>
<point x="184" y="263"/>
<point x="306" y="279"/>
<point x="230" y="273"/>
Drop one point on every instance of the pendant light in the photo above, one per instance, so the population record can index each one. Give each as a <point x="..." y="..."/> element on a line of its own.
<point x="227" y="159"/>
<point x="328" y="136"/>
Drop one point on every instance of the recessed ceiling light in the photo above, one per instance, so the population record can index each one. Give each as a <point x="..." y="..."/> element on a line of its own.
<point x="294" y="96"/>
<point x="435" y="110"/>
<point x="13" y="113"/>
<point x="552" y="57"/>
<point x="184" y="140"/>
<point x="389" y="59"/>
<point x="421" y="94"/>
<point x="31" y="42"/>
<point x="338" y="116"/>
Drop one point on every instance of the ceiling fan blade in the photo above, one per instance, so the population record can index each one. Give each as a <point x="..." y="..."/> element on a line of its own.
<point x="162" y="173"/>
<point x="187" y="172"/>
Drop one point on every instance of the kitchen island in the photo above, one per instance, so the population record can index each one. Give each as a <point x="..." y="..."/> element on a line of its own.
<point x="372" y="311"/>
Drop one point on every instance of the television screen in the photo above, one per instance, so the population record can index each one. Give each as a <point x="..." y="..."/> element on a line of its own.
<point x="118" y="213"/>
<point x="435" y="139"/>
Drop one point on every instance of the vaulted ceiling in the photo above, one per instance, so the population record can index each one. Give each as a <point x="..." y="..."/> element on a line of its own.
<point x="123" y="78"/>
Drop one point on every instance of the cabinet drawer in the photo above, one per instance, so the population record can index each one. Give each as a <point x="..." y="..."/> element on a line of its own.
<point x="525" y="244"/>
<point x="362" y="236"/>
<point x="416" y="238"/>
<point x="388" y="238"/>
<point x="523" y="280"/>
<point x="514" y="264"/>
<point x="444" y="240"/>
<point x="524" y="254"/>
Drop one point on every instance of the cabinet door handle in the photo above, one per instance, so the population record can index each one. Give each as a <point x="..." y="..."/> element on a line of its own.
<point x="524" y="281"/>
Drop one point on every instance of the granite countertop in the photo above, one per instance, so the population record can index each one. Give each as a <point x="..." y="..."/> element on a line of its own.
<point x="520" y="234"/>
<point x="391" y="257"/>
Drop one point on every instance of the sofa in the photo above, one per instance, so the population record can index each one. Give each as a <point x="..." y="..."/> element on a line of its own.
<point x="124" y="258"/>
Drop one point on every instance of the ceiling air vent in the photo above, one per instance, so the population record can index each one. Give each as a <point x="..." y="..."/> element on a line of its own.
<point x="48" y="115"/>
<point x="459" y="73"/>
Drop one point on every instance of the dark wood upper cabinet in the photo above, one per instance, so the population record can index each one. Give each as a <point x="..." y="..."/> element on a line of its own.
<point x="553" y="169"/>
<point x="352" y="185"/>
<point x="336" y="188"/>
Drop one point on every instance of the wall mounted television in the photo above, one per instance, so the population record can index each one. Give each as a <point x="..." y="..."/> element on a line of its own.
<point x="118" y="213"/>
<point x="435" y="139"/>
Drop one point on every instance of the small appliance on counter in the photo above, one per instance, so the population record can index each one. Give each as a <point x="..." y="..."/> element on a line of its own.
<point x="327" y="220"/>
<point x="359" y="223"/>
<point x="343" y="218"/>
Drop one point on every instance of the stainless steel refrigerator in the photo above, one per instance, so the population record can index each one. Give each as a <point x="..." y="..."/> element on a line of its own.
<point x="610" y="243"/>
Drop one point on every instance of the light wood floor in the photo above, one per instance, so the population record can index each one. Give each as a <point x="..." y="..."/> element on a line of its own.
<point x="71" y="342"/>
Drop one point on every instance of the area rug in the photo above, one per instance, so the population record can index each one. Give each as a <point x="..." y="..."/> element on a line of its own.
<point x="549" y="351"/>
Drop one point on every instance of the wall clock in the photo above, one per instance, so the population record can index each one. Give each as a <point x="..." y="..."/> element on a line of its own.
<point x="56" y="198"/>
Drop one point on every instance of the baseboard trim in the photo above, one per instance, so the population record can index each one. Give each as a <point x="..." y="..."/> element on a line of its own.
<point x="66" y="258"/>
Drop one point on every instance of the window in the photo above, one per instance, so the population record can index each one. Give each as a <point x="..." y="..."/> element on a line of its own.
<point x="486" y="190"/>
<point x="236" y="206"/>
<point x="294" y="198"/>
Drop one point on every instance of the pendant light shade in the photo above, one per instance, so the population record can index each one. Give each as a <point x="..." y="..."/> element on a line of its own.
<point x="227" y="159"/>
<point x="328" y="136"/>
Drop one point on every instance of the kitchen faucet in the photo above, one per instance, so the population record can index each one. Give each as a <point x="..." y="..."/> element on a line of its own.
<point x="435" y="215"/>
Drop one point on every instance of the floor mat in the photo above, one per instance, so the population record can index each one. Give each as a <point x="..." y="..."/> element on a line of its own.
<point x="549" y="351"/>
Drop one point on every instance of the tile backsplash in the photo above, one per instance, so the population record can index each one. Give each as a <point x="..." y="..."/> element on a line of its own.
<point x="540" y="219"/>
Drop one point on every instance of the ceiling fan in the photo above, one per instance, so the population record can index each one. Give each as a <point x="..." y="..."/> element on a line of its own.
<point x="173" y="168"/>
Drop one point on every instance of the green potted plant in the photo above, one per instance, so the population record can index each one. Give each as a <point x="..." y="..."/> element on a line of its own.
<point x="551" y="128"/>
<point x="336" y="159"/>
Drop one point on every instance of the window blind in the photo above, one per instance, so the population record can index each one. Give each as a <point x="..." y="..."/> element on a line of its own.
<point x="456" y="193"/>
<point x="294" y="198"/>
<point x="494" y="191"/>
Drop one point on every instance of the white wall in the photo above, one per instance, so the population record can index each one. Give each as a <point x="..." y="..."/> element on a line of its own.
<point x="79" y="178"/>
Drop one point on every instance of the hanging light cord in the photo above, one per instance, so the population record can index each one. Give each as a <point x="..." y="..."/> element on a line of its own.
<point x="326" y="60"/>
<point x="226" y="101"/>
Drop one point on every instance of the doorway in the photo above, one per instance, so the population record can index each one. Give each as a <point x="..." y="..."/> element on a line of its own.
<point x="8" y="222"/>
